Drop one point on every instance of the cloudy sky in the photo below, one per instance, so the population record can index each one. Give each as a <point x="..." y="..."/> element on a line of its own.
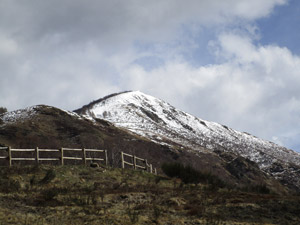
<point x="236" y="62"/>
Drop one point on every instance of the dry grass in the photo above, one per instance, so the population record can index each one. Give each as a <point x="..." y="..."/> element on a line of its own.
<point x="84" y="195"/>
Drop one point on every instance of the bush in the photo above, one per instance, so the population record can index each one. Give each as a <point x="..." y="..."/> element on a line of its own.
<point x="189" y="175"/>
<point x="50" y="194"/>
<point x="50" y="175"/>
<point x="195" y="210"/>
<point x="9" y="185"/>
<point x="260" y="188"/>
<point x="172" y="169"/>
<point x="133" y="215"/>
<point x="3" y="110"/>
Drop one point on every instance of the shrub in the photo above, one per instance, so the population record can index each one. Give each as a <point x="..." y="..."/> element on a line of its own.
<point x="172" y="169"/>
<point x="133" y="215"/>
<point x="156" y="213"/>
<point x="49" y="194"/>
<point x="260" y="188"/>
<point x="50" y="175"/>
<point x="9" y="185"/>
<point x="186" y="173"/>
<point x="263" y="189"/>
<point x="195" y="210"/>
<point x="189" y="175"/>
<point x="3" y="110"/>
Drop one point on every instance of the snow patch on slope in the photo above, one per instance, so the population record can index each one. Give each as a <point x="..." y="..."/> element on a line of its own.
<point x="19" y="115"/>
<point x="159" y="121"/>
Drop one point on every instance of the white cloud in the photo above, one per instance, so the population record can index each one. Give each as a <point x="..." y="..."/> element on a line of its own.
<point x="120" y="22"/>
<point x="66" y="53"/>
<point x="68" y="79"/>
<point x="255" y="9"/>
<point x="8" y="47"/>
<point x="256" y="89"/>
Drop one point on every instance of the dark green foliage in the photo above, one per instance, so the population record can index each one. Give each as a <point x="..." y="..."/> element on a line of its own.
<point x="3" y="110"/>
<point x="33" y="180"/>
<point x="263" y="189"/>
<point x="156" y="213"/>
<point x="172" y="169"/>
<point x="189" y="175"/>
<point x="9" y="185"/>
<point x="195" y="210"/>
<point x="50" y="175"/>
<point x="260" y="188"/>
<point x="49" y="194"/>
<point x="133" y="215"/>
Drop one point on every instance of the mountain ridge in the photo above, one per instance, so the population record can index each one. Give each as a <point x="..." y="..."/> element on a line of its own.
<point x="162" y="123"/>
<point x="50" y="127"/>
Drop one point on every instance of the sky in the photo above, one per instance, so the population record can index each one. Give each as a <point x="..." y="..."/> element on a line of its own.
<point x="235" y="62"/>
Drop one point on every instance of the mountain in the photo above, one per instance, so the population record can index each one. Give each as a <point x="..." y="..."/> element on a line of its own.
<point x="150" y="128"/>
<point x="241" y="193"/>
<point x="162" y="123"/>
<point x="49" y="127"/>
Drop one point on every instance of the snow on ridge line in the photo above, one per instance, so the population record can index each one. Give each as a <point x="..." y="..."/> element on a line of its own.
<point x="29" y="112"/>
<point x="73" y="114"/>
<point x="130" y="98"/>
<point x="134" y="97"/>
<point x="138" y="111"/>
<point x="20" y="114"/>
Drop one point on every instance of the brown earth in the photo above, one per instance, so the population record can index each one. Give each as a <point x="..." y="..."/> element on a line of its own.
<point x="84" y="195"/>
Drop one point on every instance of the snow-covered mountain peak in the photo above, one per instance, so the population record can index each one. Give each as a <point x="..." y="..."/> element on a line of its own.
<point x="160" y="122"/>
<point x="130" y="97"/>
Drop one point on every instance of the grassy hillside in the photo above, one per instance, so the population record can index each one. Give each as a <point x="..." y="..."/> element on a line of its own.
<point x="103" y="195"/>
<point x="50" y="127"/>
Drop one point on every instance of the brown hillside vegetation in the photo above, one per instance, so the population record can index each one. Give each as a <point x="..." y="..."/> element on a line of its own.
<point x="84" y="195"/>
<point x="49" y="127"/>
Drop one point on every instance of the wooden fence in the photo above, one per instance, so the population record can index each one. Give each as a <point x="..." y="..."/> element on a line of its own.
<point x="134" y="163"/>
<point x="62" y="157"/>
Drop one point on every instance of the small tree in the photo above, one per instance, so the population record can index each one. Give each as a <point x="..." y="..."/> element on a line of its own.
<point x="3" y="110"/>
<point x="189" y="175"/>
<point x="186" y="173"/>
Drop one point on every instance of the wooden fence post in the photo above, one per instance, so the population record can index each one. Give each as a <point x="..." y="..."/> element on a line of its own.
<point x="146" y="167"/>
<point x="155" y="172"/>
<point x="62" y="156"/>
<point x="106" y="161"/>
<point x="37" y="155"/>
<point x="122" y="158"/>
<point x="150" y="168"/>
<point x="84" y="156"/>
<point x="134" y="162"/>
<point x="9" y="156"/>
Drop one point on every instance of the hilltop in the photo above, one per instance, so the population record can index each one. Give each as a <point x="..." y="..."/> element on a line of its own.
<point x="50" y="127"/>
<point x="162" y="123"/>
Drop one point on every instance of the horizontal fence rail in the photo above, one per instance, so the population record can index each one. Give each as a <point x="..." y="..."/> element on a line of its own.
<point x="135" y="163"/>
<point x="77" y="154"/>
<point x="3" y="148"/>
<point x="62" y="157"/>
